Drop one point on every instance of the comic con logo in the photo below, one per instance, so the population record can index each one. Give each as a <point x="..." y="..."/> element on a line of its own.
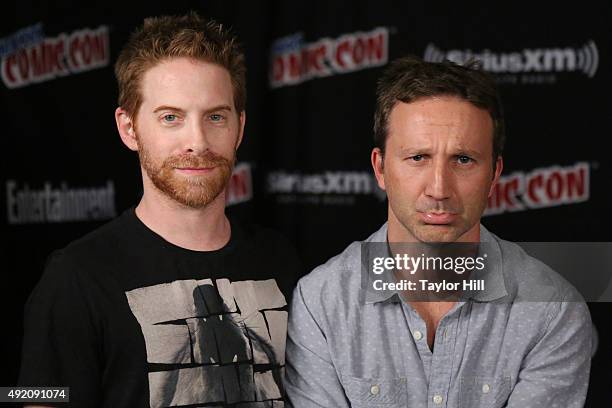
<point x="240" y="185"/>
<point x="293" y="61"/>
<point x="25" y="61"/>
<point x="544" y="187"/>
<point x="526" y="65"/>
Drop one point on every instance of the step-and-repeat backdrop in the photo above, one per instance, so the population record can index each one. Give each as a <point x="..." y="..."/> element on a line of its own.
<point x="304" y="164"/>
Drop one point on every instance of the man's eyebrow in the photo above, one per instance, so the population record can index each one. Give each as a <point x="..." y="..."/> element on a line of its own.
<point x="470" y="152"/>
<point x="219" y="108"/>
<point x="167" y="107"/>
<point x="175" y="109"/>
<point x="426" y="149"/>
<point x="414" y="149"/>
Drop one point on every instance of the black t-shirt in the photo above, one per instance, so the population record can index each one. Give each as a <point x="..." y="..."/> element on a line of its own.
<point x="126" y="319"/>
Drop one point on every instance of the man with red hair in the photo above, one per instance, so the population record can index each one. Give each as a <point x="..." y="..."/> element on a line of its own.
<point x="172" y="303"/>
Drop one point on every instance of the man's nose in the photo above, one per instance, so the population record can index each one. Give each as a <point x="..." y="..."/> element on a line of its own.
<point x="439" y="182"/>
<point x="197" y="140"/>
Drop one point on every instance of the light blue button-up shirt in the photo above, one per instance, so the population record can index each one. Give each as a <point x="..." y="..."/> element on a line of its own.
<point x="502" y="347"/>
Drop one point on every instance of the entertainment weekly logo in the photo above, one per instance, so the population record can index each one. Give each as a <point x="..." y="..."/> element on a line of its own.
<point x="544" y="187"/>
<point x="52" y="204"/>
<point x="529" y="65"/>
<point x="47" y="58"/>
<point x="293" y="61"/>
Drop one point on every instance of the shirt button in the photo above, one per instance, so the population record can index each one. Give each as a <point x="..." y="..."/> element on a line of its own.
<point x="374" y="390"/>
<point x="417" y="335"/>
<point x="486" y="388"/>
<point x="437" y="399"/>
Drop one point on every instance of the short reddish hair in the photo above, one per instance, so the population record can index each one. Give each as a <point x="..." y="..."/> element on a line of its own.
<point x="165" y="37"/>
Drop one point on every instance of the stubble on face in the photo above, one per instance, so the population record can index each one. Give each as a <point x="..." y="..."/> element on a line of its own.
<point x="193" y="191"/>
<point x="438" y="198"/>
<point x="429" y="233"/>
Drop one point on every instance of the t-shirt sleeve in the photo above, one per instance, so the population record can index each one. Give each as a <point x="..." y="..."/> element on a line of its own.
<point x="60" y="345"/>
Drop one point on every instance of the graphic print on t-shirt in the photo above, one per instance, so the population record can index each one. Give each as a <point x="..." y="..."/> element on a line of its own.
<point x="211" y="342"/>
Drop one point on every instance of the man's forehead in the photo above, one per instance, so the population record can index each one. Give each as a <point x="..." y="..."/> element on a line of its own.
<point x="446" y="117"/>
<point x="177" y="80"/>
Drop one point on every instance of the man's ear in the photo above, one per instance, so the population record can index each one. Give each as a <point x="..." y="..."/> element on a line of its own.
<point x="126" y="128"/>
<point x="241" y="123"/>
<point x="499" y="166"/>
<point x="377" y="158"/>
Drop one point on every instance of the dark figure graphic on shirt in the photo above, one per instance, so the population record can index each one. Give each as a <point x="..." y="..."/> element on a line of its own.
<point x="213" y="350"/>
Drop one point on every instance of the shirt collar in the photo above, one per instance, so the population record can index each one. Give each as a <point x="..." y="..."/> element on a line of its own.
<point x="495" y="287"/>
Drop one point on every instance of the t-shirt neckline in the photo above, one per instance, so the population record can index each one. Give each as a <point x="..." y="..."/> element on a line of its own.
<point x="235" y="235"/>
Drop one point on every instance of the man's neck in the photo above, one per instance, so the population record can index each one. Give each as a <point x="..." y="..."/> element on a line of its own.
<point x="197" y="229"/>
<point x="432" y="312"/>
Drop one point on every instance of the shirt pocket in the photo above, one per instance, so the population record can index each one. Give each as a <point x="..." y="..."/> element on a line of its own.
<point x="374" y="392"/>
<point x="481" y="391"/>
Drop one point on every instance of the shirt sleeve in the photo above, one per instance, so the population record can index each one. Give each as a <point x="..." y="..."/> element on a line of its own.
<point x="311" y="379"/>
<point x="60" y="347"/>
<point x="556" y="370"/>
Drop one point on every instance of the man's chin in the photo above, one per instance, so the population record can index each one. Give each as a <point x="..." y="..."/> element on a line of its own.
<point x="431" y="233"/>
<point x="194" y="192"/>
<point x="195" y="201"/>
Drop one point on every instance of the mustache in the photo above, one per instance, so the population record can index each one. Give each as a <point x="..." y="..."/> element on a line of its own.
<point x="437" y="206"/>
<point x="208" y="159"/>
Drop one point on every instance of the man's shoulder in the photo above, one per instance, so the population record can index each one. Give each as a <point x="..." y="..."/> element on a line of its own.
<point x="100" y="242"/>
<point x="336" y="269"/>
<point x="528" y="278"/>
<point x="69" y="270"/>
<point x="92" y="250"/>
<point x="260" y="235"/>
<point x="270" y="250"/>
<point x="342" y="272"/>
<point x="266" y="243"/>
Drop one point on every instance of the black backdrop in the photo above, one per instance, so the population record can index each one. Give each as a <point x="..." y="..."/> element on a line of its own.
<point x="304" y="164"/>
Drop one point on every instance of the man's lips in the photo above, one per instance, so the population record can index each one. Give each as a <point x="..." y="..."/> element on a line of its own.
<point x="437" y="218"/>
<point x="195" y="170"/>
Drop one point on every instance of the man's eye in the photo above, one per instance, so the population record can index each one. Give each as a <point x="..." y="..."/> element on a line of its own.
<point x="215" y="117"/>
<point x="464" y="159"/>
<point x="169" y="118"/>
<point x="417" y="157"/>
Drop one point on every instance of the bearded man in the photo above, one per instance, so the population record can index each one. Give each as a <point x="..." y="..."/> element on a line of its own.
<point x="172" y="303"/>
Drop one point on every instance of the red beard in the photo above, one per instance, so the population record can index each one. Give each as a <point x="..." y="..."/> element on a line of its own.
<point x="195" y="191"/>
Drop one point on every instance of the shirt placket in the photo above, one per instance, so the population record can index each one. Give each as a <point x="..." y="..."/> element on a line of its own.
<point x="442" y="359"/>
<point x="437" y="365"/>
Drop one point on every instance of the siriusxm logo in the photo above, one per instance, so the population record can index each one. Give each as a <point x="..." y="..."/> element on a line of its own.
<point x="583" y="59"/>
<point x="345" y="183"/>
